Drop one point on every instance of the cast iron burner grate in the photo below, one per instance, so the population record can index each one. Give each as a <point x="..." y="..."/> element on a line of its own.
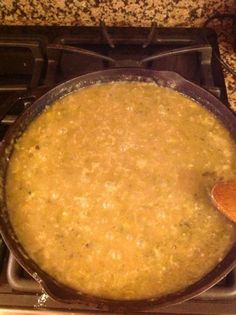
<point x="34" y="59"/>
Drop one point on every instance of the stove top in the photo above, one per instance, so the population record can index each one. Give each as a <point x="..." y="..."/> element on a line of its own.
<point x="34" y="59"/>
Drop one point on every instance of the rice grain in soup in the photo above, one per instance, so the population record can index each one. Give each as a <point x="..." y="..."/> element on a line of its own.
<point x="108" y="190"/>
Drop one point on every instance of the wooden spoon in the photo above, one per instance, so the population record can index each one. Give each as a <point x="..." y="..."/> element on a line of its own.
<point x="223" y="195"/>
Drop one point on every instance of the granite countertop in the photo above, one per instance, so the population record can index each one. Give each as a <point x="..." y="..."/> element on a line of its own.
<point x="166" y="13"/>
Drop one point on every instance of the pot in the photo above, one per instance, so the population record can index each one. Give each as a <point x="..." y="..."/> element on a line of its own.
<point x="57" y="290"/>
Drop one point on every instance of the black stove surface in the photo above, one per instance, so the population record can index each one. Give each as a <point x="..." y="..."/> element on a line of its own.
<point x="34" y="59"/>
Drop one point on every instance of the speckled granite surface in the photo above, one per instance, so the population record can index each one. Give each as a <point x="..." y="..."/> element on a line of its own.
<point x="116" y="12"/>
<point x="167" y="13"/>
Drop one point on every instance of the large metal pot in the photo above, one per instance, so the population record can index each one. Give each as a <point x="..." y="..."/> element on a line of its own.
<point x="57" y="290"/>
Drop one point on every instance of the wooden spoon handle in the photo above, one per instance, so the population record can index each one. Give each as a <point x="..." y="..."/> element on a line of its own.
<point x="223" y="195"/>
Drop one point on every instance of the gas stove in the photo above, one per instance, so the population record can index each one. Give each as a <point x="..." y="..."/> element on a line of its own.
<point x="34" y="59"/>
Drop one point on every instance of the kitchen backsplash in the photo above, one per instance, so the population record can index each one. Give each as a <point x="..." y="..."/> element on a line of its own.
<point x="117" y="12"/>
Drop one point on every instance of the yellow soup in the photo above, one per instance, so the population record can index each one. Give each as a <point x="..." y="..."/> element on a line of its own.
<point x="108" y="190"/>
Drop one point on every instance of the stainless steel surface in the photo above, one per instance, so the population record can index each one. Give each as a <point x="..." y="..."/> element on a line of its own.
<point x="221" y="293"/>
<point x="16" y="281"/>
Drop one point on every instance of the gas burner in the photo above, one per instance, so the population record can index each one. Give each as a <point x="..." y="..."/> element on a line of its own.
<point x="34" y="59"/>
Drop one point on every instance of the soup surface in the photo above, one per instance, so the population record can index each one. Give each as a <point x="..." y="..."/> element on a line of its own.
<point x="108" y="190"/>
